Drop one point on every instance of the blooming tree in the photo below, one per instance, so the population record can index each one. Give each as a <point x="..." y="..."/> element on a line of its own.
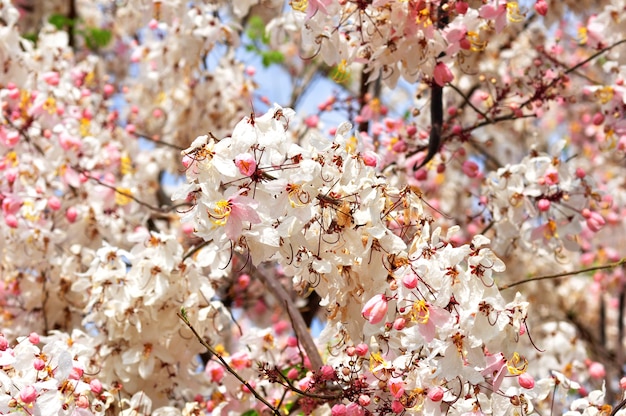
<point x="176" y="243"/>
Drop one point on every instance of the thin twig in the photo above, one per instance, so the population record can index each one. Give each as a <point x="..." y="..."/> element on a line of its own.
<point x="565" y="274"/>
<point x="183" y="315"/>
<point x="467" y="100"/>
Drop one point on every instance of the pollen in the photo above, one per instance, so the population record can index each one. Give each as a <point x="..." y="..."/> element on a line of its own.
<point x="420" y="312"/>
<point x="299" y="5"/>
<point x="517" y="365"/>
<point x="513" y="13"/>
<point x="221" y="212"/>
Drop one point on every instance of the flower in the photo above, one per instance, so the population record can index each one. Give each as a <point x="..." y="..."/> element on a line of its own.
<point x="375" y="309"/>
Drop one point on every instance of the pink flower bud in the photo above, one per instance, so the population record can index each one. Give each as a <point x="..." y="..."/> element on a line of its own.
<point x="10" y="220"/>
<point x="54" y="203"/>
<point x="339" y="410"/>
<point x="246" y="164"/>
<point x="543" y="205"/>
<point x="364" y="400"/>
<point x="399" y="324"/>
<point x="541" y="7"/>
<point x="51" y="78"/>
<point x="361" y="349"/>
<point x="76" y="373"/>
<point x="312" y="121"/>
<point x="243" y="281"/>
<point x="327" y="372"/>
<point x="435" y="394"/>
<point x="4" y="344"/>
<point x="470" y="169"/>
<point x="293" y="373"/>
<point x="410" y="280"/>
<point x="292" y="341"/>
<point x="108" y="89"/>
<point x="442" y="74"/>
<point x="39" y="364"/>
<point x="375" y="309"/>
<point x="369" y="158"/>
<point x="598" y="118"/>
<point x="526" y="381"/>
<point x="580" y="173"/>
<point x="33" y="337"/>
<point x="596" y="370"/>
<point x="551" y="177"/>
<point x="397" y="407"/>
<point x="622" y="383"/>
<point x="28" y="394"/>
<point x="461" y="7"/>
<point x="71" y="214"/>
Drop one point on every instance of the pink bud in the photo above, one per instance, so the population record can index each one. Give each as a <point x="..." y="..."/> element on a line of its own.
<point x="246" y="164"/>
<point x="327" y="372"/>
<point x="339" y="410"/>
<point x="51" y="78"/>
<point x="526" y="381"/>
<point x="580" y="173"/>
<point x="312" y="121"/>
<point x="596" y="370"/>
<point x="410" y="280"/>
<point x="551" y="177"/>
<point x="622" y="383"/>
<point x="4" y="344"/>
<point x="10" y="220"/>
<point x="28" y="394"/>
<point x="71" y="214"/>
<point x="541" y="7"/>
<point x="361" y="349"/>
<point x="399" y="324"/>
<point x="369" y="158"/>
<point x="76" y="373"/>
<point x="243" y="281"/>
<point x="598" y="118"/>
<point x="396" y="406"/>
<point x="292" y="341"/>
<point x="54" y="203"/>
<point x="595" y="221"/>
<point x="82" y="401"/>
<point x="461" y="7"/>
<point x="470" y="168"/>
<point x="153" y="24"/>
<point x="364" y="400"/>
<point x="375" y="309"/>
<point x="435" y="394"/>
<point x="442" y="74"/>
<point x="34" y="338"/>
<point x="292" y="374"/>
<point x="543" y="204"/>
<point x="108" y="89"/>
<point x="39" y="364"/>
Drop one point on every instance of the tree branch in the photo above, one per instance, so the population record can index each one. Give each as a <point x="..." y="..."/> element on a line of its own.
<point x="564" y="274"/>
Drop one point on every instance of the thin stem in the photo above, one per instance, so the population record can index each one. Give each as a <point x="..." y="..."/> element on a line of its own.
<point x="564" y="274"/>
<point x="183" y="315"/>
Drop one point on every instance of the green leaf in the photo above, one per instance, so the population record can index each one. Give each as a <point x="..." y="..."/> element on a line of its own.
<point x="60" y="21"/>
<point x="271" y="57"/>
<point x="250" y="412"/>
<point x="96" y="38"/>
<point x="256" y="28"/>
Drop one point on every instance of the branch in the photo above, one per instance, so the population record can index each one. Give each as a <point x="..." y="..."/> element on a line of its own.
<point x="564" y="274"/>
<point x="299" y="326"/>
<point x="183" y="315"/>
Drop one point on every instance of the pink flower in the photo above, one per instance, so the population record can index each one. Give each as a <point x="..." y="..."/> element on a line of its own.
<point x="442" y="74"/>
<point x="246" y="164"/>
<point x="315" y="5"/>
<point x="233" y="212"/>
<point x="595" y="221"/>
<point x="338" y="410"/>
<point x="375" y="309"/>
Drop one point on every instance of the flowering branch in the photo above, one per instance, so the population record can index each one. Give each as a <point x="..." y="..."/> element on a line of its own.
<point x="564" y="274"/>
<point x="183" y="315"/>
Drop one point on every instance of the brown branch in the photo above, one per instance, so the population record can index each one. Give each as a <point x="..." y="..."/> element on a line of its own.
<point x="216" y="355"/>
<point x="565" y="274"/>
<point x="299" y="326"/>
